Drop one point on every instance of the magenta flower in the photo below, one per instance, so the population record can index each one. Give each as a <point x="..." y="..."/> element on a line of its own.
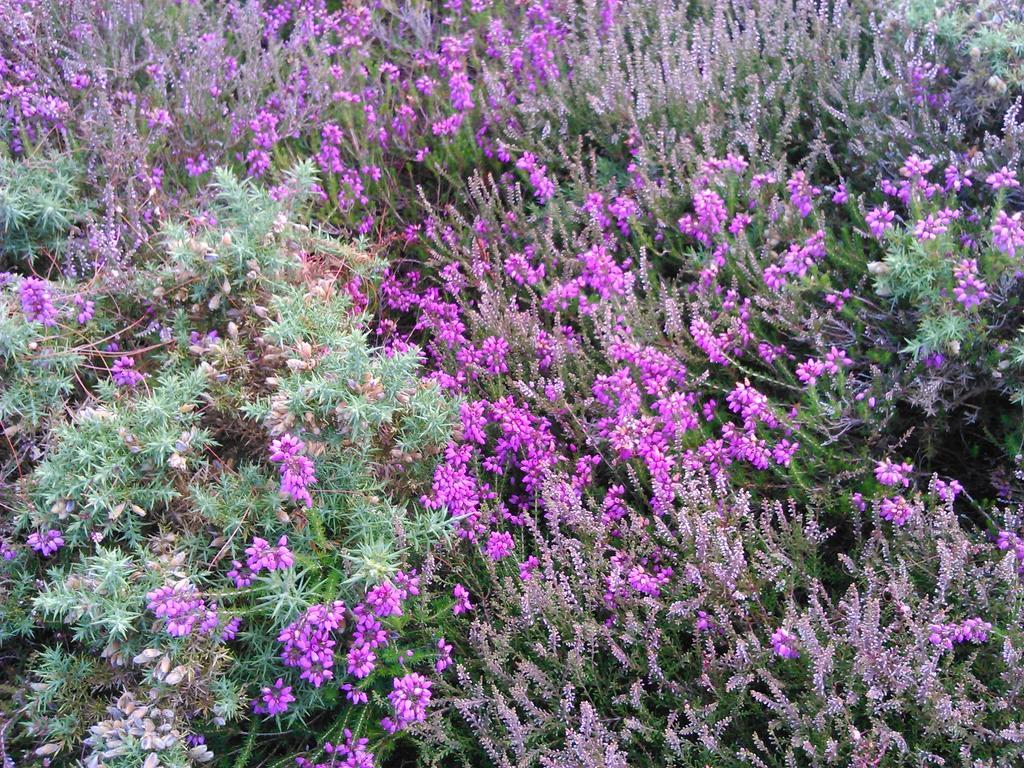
<point x="361" y="661"/>
<point x="888" y="472"/>
<point x="263" y="557"/>
<point x="801" y="193"/>
<point x="1008" y="233"/>
<point x="528" y="566"/>
<point x="810" y="370"/>
<point x="543" y="187"/>
<point x="500" y="545"/>
<point x="410" y="698"/>
<point x="309" y="642"/>
<point x="352" y="753"/>
<point x="274" y="700"/>
<point x="462" y="603"/>
<point x="180" y="605"/>
<point x="896" y="510"/>
<point x="385" y="600"/>
<point x="297" y="470"/>
<point x="1004" y="178"/>
<point x="970" y="290"/>
<point x="444" y="656"/>
<point x="879" y="220"/>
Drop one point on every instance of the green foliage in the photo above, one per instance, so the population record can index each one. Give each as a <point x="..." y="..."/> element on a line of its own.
<point x="40" y="202"/>
<point x="118" y="459"/>
<point x="165" y="481"/>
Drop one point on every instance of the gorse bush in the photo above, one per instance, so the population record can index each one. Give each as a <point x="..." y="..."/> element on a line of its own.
<point x="541" y="384"/>
<point x="41" y="204"/>
<point x="155" y="507"/>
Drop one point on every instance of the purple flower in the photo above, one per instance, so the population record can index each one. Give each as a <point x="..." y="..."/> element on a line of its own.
<point x="37" y="302"/>
<point x="444" y="656"/>
<point x="972" y="630"/>
<point x="543" y="187"/>
<point x="124" y="373"/>
<point x="181" y="606"/>
<point x="810" y="370"/>
<point x="879" y="220"/>
<point x="46" y="543"/>
<point x="947" y="491"/>
<point x="309" y="642"/>
<point x="491" y="356"/>
<point x="970" y="290"/>
<point x="231" y="629"/>
<point x="361" y="661"/>
<point x="784" y="644"/>
<point x="896" y="510"/>
<point x="1008" y="233"/>
<point x="264" y="557"/>
<point x="86" y="310"/>
<point x="527" y="567"/>
<point x="352" y="753"/>
<point x="801" y="193"/>
<point x="240" y="574"/>
<point x="889" y="473"/>
<point x="354" y="695"/>
<point x="274" y="700"/>
<point x="1004" y="178"/>
<point x="385" y="600"/>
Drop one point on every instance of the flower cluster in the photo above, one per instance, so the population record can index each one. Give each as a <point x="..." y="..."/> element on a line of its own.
<point x="972" y="630"/>
<point x="181" y="607"/>
<point x="37" y="302"/>
<point x="409" y="698"/>
<point x="46" y="543"/>
<point x="297" y="470"/>
<point x="309" y="642"/>
<point x="261" y="556"/>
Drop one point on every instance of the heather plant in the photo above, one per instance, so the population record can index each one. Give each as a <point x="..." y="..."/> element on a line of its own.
<point x="691" y="637"/>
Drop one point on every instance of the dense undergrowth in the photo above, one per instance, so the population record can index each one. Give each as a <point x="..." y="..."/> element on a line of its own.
<point x="519" y="384"/>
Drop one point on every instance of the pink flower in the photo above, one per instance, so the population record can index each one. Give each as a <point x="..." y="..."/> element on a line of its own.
<point x="879" y="220"/>
<point x="970" y="290"/>
<point x="1004" y="178"/>
<point x="462" y="603"/>
<point x="444" y="656"/>
<point x="500" y="545"/>
<point x="410" y="697"/>
<point x="810" y="370"/>
<point x="1008" y="233"/>
<point x="889" y="473"/>
<point x="896" y="510"/>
